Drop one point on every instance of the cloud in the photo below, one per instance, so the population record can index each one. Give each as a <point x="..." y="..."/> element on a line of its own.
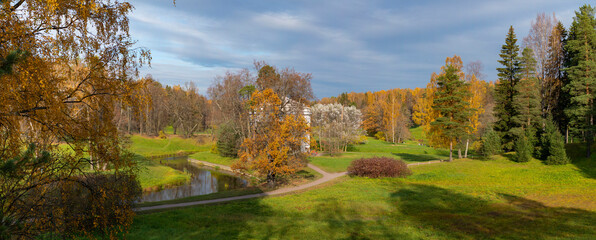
<point x="347" y="45"/>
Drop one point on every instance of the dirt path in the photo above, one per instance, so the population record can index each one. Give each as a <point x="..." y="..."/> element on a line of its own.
<point x="213" y="165"/>
<point x="326" y="178"/>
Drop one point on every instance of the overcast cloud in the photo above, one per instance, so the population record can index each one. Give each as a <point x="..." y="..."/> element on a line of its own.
<point x="347" y="45"/>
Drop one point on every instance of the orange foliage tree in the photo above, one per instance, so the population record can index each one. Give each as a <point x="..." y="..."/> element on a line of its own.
<point x="274" y="148"/>
<point x="76" y="63"/>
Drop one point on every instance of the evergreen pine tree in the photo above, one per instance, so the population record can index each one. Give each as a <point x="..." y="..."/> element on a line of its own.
<point x="228" y="141"/>
<point x="509" y="76"/>
<point x="581" y="47"/>
<point x="526" y="100"/>
<point x="450" y="102"/>
<point x="524" y="147"/>
<point x="553" y="147"/>
<point x="491" y="143"/>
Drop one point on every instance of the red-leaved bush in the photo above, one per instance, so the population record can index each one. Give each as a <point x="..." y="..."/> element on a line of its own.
<point x="379" y="167"/>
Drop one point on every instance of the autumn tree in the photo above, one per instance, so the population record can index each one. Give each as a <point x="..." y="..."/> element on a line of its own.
<point x="396" y="118"/>
<point x="156" y="111"/>
<point x="230" y="108"/>
<point x="286" y="83"/>
<point x="372" y="120"/>
<point x="275" y="147"/>
<point x="478" y="92"/>
<point x="581" y="47"/>
<point x="450" y="101"/>
<point x="425" y="114"/>
<point x="555" y="98"/>
<point x="509" y="77"/>
<point x="77" y="62"/>
<point x="192" y="111"/>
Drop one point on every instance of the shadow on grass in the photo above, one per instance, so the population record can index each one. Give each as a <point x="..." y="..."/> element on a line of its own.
<point x="202" y="222"/>
<point x="577" y="153"/>
<point x="461" y="216"/>
<point x="417" y="157"/>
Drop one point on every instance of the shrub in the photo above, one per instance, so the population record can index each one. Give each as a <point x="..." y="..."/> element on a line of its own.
<point x="162" y="135"/>
<point x="361" y="139"/>
<point x="96" y="204"/>
<point x="491" y="143"/>
<point x="379" y="167"/>
<point x="213" y="149"/>
<point x="380" y="135"/>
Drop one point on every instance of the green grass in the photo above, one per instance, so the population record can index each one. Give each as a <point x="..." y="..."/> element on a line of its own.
<point x="417" y="133"/>
<point x="213" y="158"/>
<point x="409" y="152"/>
<point x="153" y="175"/>
<point x="149" y="146"/>
<point x="464" y="199"/>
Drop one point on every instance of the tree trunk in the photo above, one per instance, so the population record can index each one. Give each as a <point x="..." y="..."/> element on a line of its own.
<point x="450" y="151"/>
<point x="459" y="153"/>
<point x="589" y="137"/>
<point x="129" y="120"/>
<point x="467" y="144"/>
<point x="567" y="135"/>
<point x="271" y="179"/>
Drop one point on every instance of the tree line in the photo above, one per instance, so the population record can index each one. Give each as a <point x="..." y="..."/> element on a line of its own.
<point x="181" y="107"/>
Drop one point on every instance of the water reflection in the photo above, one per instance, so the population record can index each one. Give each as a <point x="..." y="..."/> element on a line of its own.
<point x="203" y="181"/>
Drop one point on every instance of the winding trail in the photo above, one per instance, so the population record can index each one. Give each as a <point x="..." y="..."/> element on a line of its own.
<point x="326" y="178"/>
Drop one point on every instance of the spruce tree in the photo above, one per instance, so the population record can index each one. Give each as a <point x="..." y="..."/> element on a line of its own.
<point x="450" y="102"/>
<point x="553" y="147"/>
<point x="491" y="143"/>
<point x="526" y="100"/>
<point x="581" y="47"/>
<point x="509" y="77"/>
<point x="524" y="147"/>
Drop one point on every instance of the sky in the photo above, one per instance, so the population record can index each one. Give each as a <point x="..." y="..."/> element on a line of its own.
<point x="347" y="45"/>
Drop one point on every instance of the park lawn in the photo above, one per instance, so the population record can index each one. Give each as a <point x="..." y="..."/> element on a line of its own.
<point x="417" y="133"/>
<point x="409" y="152"/>
<point x="154" y="146"/>
<point x="213" y="158"/>
<point x="464" y="199"/>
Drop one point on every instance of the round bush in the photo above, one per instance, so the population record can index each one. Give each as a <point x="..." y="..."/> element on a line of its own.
<point x="379" y="167"/>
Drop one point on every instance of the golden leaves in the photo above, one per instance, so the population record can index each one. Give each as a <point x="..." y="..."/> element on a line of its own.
<point x="276" y="138"/>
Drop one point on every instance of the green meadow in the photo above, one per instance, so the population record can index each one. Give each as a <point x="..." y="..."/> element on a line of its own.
<point x="464" y="199"/>
<point x="410" y="151"/>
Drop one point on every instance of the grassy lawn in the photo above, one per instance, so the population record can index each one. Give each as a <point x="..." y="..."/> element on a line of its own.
<point x="409" y="152"/>
<point x="464" y="199"/>
<point x="153" y="146"/>
<point x="213" y="158"/>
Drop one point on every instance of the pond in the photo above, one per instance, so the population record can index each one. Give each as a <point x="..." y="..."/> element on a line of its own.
<point x="203" y="181"/>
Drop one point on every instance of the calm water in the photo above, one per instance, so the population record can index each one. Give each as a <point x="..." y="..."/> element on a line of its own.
<point x="203" y="181"/>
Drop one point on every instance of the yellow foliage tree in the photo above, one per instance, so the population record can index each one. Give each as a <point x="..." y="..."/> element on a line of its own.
<point x="75" y="62"/>
<point x="274" y="147"/>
